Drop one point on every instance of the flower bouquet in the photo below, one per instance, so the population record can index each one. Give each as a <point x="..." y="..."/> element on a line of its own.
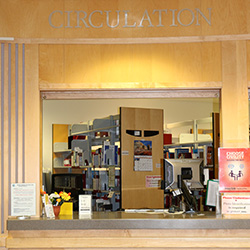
<point x="58" y="199"/>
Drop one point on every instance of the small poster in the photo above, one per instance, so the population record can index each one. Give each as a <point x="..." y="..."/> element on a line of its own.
<point x="143" y="155"/>
<point x="234" y="171"/>
<point x="153" y="181"/>
<point x="23" y="199"/>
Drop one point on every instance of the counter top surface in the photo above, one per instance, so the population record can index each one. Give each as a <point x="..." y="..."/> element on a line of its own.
<point x="124" y="220"/>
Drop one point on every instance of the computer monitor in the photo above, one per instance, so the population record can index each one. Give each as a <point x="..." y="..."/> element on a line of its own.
<point x="181" y="167"/>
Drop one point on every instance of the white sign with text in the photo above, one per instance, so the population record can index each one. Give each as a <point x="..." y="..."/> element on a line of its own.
<point x="85" y="204"/>
<point x="234" y="204"/>
<point x="23" y="199"/>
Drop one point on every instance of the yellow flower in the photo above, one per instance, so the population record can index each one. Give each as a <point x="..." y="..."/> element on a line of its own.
<point x="65" y="196"/>
<point x="58" y="200"/>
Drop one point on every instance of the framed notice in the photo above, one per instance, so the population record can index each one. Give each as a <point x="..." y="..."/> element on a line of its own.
<point x="23" y="199"/>
<point x="234" y="170"/>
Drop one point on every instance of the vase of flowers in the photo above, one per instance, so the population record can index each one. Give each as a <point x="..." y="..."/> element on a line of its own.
<point x="57" y="200"/>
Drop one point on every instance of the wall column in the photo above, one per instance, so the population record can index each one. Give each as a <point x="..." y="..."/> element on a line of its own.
<point x="234" y="95"/>
<point x="19" y="127"/>
<point x="32" y="171"/>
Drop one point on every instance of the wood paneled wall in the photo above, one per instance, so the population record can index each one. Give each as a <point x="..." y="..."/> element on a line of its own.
<point x="187" y="65"/>
<point x="19" y="121"/>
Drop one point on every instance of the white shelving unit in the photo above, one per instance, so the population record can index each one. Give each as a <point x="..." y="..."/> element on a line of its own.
<point x="60" y="155"/>
<point x="195" y="143"/>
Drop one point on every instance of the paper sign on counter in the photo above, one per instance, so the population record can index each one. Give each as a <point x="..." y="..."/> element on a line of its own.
<point x="235" y="204"/>
<point x="85" y="204"/>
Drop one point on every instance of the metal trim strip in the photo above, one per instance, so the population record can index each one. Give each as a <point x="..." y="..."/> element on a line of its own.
<point x="23" y="81"/>
<point x="16" y="108"/>
<point x="2" y="138"/>
<point x="9" y="124"/>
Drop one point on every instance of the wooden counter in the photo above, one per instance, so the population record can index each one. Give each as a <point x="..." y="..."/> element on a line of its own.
<point x="120" y="230"/>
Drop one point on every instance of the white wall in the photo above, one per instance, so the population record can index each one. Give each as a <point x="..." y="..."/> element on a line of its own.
<point x="75" y="111"/>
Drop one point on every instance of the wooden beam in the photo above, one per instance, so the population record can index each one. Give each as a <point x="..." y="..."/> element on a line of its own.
<point x="144" y="40"/>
